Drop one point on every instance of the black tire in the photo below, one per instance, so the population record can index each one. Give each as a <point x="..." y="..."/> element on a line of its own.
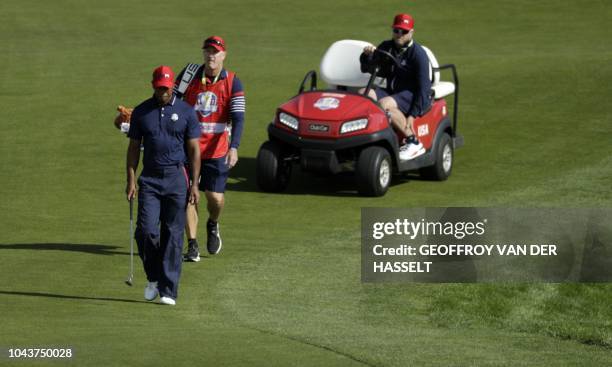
<point x="272" y="171"/>
<point x="444" y="158"/>
<point x="374" y="169"/>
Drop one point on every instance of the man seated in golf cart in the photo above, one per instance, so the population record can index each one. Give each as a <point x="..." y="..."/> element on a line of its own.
<point x="408" y="91"/>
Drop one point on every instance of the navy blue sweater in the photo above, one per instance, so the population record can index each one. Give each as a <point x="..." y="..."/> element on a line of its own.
<point x="412" y="76"/>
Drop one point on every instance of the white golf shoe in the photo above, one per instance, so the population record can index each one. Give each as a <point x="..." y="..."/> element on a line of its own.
<point x="167" y="301"/>
<point x="151" y="292"/>
<point x="412" y="149"/>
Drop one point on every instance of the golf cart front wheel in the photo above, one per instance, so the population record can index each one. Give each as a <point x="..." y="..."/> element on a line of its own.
<point x="273" y="171"/>
<point x="373" y="171"/>
<point x="444" y="160"/>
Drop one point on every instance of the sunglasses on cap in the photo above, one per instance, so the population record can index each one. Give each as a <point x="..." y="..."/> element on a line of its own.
<point x="213" y="42"/>
<point x="400" y="31"/>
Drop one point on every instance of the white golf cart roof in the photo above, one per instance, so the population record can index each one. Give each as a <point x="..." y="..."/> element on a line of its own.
<point x="340" y="67"/>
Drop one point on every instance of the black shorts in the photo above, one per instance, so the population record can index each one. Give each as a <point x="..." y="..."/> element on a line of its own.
<point x="403" y="98"/>
<point x="213" y="175"/>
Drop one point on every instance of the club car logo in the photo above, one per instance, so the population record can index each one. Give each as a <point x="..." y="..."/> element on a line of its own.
<point x="318" y="127"/>
<point x="327" y="103"/>
<point x="423" y="130"/>
<point x="206" y="103"/>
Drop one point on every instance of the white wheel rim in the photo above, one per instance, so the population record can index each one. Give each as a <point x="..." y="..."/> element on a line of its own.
<point x="447" y="158"/>
<point x="384" y="173"/>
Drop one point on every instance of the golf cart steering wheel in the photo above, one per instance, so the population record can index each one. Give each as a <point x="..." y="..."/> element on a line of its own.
<point x="377" y="66"/>
<point x="388" y="55"/>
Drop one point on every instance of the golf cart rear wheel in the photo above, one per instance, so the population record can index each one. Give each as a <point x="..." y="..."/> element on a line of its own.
<point x="273" y="171"/>
<point x="373" y="171"/>
<point x="444" y="159"/>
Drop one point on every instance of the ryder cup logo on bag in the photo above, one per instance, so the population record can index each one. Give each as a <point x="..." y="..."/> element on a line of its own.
<point x="327" y="103"/>
<point x="206" y="104"/>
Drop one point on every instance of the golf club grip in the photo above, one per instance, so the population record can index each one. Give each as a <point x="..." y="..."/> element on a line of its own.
<point x="131" y="209"/>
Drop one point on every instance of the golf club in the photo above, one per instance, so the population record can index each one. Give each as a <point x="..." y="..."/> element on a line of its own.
<point x="130" y="279"/>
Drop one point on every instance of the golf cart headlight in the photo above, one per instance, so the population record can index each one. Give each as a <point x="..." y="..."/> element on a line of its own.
<point x="288" y="120"/>
<point x="354" y="125"/>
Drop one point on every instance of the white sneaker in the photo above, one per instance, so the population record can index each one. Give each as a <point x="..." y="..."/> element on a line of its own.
<point x="167" y="301"/>
<point x="411" y="150"/>
<point x="151" y="292"/>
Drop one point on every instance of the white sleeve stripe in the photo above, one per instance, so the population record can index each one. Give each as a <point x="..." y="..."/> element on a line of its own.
<point x="237" y="104"/>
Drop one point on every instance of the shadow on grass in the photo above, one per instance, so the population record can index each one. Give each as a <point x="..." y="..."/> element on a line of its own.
<point x="77" y="247"/>
<point x="243" y="178"/>
<point x="63" y="296"/>
<point x="312" y="344"/>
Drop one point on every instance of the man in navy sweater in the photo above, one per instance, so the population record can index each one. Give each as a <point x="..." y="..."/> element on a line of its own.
<point x="408" y="91"/>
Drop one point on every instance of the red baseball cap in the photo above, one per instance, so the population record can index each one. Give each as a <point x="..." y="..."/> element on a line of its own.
<point x="214" y="41"/>
<point x="163" y="76"/>
<point x="403" y="21"/>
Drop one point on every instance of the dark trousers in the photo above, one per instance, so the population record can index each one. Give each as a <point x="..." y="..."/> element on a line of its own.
<point x="162" y="200"/>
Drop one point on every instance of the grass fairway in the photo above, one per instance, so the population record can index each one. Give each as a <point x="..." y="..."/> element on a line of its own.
<point x="286" y="291"/>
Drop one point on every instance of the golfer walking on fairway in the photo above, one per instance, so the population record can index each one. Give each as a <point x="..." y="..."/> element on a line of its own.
<point x="167" y="127"/>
